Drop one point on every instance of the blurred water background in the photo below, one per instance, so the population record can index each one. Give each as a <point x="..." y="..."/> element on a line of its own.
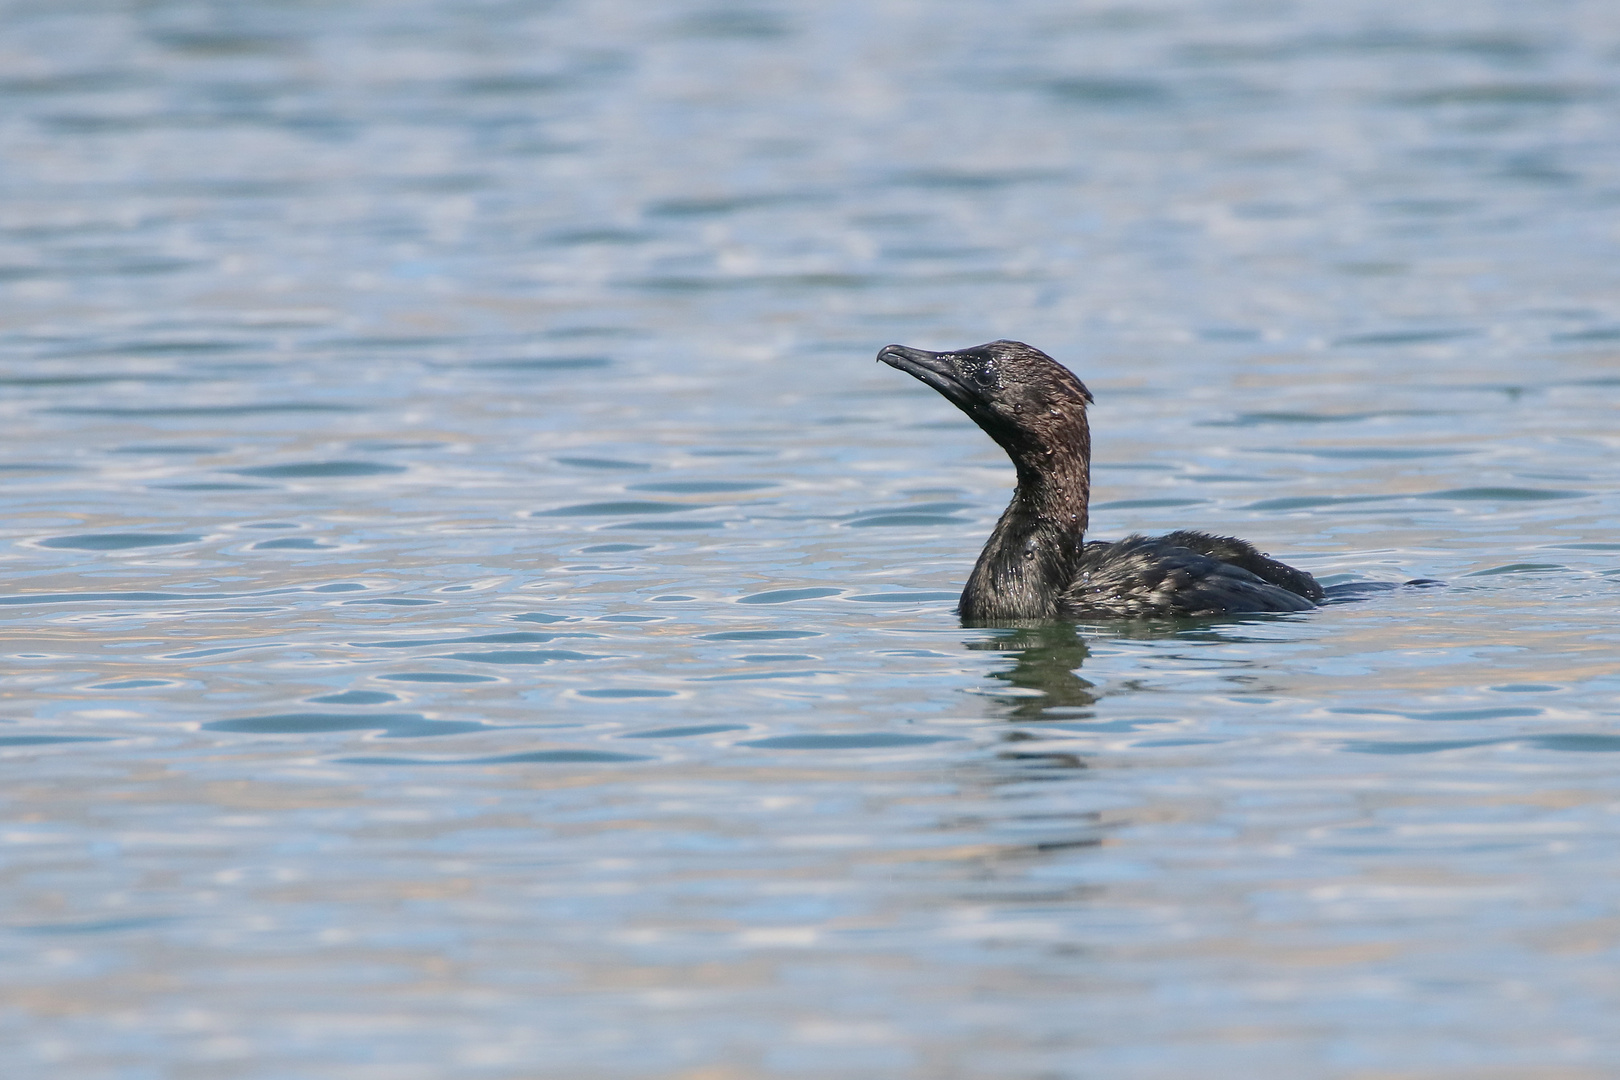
<point x="473" y="607"/>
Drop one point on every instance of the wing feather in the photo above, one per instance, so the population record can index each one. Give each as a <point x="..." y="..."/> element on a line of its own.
<point x="1168" y="576"/>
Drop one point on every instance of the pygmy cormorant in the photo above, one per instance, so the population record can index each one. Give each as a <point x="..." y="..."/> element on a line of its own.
<point x="1037" y="564"/>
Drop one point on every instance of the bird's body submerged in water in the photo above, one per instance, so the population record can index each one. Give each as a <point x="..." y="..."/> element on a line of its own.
<point x="1037" y="564"/>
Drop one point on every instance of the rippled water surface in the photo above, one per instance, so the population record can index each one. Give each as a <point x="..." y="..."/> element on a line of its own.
<point x="474" y="608"/>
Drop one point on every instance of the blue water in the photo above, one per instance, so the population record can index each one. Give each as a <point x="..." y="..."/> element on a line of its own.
<point x="474" y="608"/>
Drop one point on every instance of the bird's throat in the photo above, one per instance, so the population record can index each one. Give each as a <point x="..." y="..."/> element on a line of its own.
<point x="1035" y="550"/>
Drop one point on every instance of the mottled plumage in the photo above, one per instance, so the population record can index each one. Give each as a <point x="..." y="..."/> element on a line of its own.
<point x="1037" y="564"/>
<point x="1182" y="573"/>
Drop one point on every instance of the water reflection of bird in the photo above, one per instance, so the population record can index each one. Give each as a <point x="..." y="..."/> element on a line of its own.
<point x="1045" y="660"/>
<point x="1037" y="564"/>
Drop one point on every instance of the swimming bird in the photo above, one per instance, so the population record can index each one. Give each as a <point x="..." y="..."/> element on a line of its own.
<point x="1037" y="564"/>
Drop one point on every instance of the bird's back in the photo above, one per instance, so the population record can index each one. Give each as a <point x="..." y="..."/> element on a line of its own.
<point x="1183" y="573"/>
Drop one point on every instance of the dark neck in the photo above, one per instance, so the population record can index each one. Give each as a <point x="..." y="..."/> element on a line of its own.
<point x="1034" y="553"/>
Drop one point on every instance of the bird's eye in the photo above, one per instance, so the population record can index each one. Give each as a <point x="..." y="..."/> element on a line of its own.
<point x="985" y="377"/>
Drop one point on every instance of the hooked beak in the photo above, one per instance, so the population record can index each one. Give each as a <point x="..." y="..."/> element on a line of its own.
<point x="935" y="369"/>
